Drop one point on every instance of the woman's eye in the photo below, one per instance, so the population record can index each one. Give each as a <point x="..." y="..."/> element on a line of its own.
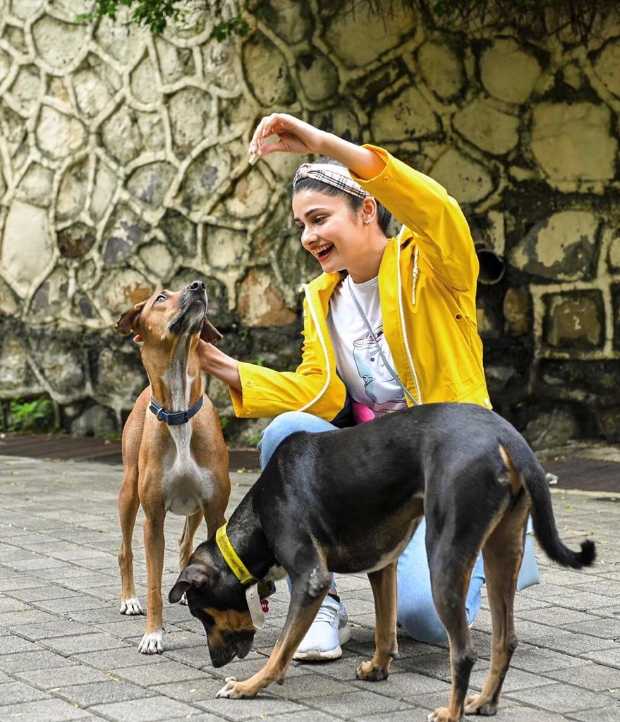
<point x="319" y="219"/>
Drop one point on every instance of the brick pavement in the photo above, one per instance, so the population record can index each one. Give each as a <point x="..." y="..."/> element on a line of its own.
<point x="67" y="654"/>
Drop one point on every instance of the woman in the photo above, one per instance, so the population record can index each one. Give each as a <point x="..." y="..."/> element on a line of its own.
<point x="389" y="323"/>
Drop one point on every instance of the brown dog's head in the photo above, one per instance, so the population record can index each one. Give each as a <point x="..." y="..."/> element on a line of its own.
<point x="168" y="315"/>
<point x="217" y="598"/>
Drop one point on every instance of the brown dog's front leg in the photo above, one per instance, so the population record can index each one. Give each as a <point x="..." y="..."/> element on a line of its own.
<point x="383" y="584"/>
<point x="301" y="614"/>
<point x="154" y="543"/>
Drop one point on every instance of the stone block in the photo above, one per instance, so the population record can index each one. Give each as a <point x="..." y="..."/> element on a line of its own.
<point x="259" y="304"/>
<point x="318" y="76"/>
<point x="57" y="42"/>
<point x="464" y="178"/>
<point x="150" y="183"/>
<point x="58" y="134"/>
<point x="606" y="66"/>
<point x="550" y="429"/>
<point x="508" y="72"/>
<point x="562" y="247"/>
<point x="517" y="309"/>
<point x="487" y="127"/>
<point x="360" y="37"/>
<point x="573" y="142"/>
<point x="191" y="112"/>
<point x="27" y="248"/>
<point x="266" y="72"/>
<point x="574" y="320"/>
<point x="26" y="88"/>
<point x="404" y="117"/>
<point x="442" y="68"/>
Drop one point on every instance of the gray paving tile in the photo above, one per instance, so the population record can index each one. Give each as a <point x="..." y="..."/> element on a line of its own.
<point x="47" y="710"/>
<point x="11" y="644"/>
<point x="353" y="704"/>
<point x="595" y="677"/>
<point x="16" y="693"/>
<point x="610" y="713"/>
<point x="561" y="698"/>
<point x="116" y="658"/>
<point x="165" y="673"/>
<point x="152" y="709"/>
<point x="99" y="693"/>
<point x="82" y="643"/>
<point x="24" y="661"/>
<point x="62" y="677"/>
<point x="241" y="709"/>
<point x="57" y="627"/>
<point x="35" y="594"/>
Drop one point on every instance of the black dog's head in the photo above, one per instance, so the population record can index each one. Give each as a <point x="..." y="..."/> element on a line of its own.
<point x="217" y="598"/>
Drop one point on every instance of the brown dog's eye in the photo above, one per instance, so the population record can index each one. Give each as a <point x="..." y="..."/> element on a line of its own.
<point x="161" y="297"/>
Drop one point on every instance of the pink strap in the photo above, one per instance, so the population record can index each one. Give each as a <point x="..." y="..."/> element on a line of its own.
<point x="361" y="412"/>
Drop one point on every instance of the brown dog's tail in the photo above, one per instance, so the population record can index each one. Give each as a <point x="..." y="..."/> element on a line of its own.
<point x="535" y="482"/>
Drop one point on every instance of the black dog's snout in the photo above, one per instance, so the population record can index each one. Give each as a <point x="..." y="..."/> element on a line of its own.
<point x="197" y="286"/>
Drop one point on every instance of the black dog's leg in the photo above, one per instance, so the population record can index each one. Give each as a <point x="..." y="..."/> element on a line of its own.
<point x="450" y="584"/>
<point x="309" y="591"/>
<point x="502" y="553"/>
<point x="383" y="584"/>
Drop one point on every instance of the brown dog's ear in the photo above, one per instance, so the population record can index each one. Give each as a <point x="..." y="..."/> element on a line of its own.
<point x="209" y="333"/>
<point x="129" y="320"/>
<point x="195" y="575"/>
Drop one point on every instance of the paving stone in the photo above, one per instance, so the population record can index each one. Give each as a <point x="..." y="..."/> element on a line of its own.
<point x="515" y="679"/>
<point x="11" y="644"/>
<point x="349" y="706"/>
<point x="35" y="594"/>
<point x="49" y="630"/>
<point x="117" y="658"/>
<point x="165" y="673"/>
<point x="98" y="693"/>
<point x="24" y="661"/>
<point x="16" y="693"/>
<point x="63" y="677"/>
<point x="560" y="698"/>
<point x="405" y="686"/>
<point x="190" y="690"/>
<point x="241" y="709"/>
<point x="47" y="710"/>
<point x="82" y="643"/>
<point x="610" y="713"/>
<point x="68" y="604"/>
<point x="604" y="628"/>
<point x="152" y="709"/>
<point x="595" y="677"/>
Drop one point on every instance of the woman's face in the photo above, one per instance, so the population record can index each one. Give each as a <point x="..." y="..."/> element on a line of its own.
<point x="329" y="229"/>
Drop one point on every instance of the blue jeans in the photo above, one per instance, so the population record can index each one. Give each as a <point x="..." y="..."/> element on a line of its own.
<point x="416" y="609"/>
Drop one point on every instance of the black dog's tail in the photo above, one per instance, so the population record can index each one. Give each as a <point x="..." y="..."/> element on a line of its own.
<point x="535" y="482"/>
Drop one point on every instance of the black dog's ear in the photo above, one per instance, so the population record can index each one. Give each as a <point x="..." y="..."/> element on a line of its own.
<point x="129" y="320"/>
<point x="209" y="333"/>
<point x="195" y="575"/>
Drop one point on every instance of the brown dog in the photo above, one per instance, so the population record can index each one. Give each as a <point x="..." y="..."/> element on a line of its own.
<point x="174" y="453"/>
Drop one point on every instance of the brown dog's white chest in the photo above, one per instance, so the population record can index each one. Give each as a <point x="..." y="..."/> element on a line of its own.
<point x="186" y="485"/>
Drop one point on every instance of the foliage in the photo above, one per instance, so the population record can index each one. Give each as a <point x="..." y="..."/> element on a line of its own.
<point x="35" y="415"/>
<point x="532" y="17"/>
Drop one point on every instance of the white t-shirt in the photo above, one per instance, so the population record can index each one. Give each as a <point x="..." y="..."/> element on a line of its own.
<point x="359" y="364"/>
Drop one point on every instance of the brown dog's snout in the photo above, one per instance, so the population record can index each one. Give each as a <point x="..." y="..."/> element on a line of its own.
<point x="198" y="286"/>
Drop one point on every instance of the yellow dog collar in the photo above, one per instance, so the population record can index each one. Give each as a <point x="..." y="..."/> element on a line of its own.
<point x="232" y="558"/>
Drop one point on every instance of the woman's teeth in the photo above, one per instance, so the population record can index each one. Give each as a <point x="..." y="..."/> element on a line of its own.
<point x="324" y="251"/>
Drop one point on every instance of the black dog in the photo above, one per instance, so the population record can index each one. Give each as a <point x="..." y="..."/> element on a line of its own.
<point x="349" y="501"/>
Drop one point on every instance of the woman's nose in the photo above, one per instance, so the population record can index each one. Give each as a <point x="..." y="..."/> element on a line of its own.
<point x="307" y="236"/>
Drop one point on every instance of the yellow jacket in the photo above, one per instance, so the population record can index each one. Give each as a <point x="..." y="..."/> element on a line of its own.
<point x="427" y="287"/>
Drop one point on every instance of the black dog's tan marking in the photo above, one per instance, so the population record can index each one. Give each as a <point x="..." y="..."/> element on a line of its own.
<point x="349" y="501"/>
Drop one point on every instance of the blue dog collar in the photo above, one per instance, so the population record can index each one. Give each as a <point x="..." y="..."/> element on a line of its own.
<point x="174" y="418"/>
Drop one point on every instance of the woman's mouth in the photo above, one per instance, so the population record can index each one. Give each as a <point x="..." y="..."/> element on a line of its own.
<point x="323" y="252"/>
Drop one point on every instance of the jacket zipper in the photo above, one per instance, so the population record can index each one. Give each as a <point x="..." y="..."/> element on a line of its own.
<point x="304" y="288"/>
<point x="401" y="309"/>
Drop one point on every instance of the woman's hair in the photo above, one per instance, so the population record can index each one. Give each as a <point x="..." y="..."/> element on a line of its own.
<point x="384" y="216"/>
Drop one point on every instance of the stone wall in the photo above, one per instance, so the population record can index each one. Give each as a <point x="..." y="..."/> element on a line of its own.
<point x="124" y="168"/>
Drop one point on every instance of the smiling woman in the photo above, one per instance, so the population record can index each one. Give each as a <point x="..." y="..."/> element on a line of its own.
<point x="391" y="322"/>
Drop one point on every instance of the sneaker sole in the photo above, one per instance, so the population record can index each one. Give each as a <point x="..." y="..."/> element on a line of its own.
<point x="323" y="655"/>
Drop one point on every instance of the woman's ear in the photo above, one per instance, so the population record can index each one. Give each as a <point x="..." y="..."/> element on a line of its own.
<point x="369" y="210"/>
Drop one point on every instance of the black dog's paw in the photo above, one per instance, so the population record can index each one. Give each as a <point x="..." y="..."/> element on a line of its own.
<point x="371" y="673"/>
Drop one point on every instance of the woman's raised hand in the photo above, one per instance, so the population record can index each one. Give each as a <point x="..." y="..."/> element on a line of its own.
<point x="294" y="136"/>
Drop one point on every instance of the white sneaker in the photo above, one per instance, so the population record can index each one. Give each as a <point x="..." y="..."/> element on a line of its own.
<point x="329" y="630"/>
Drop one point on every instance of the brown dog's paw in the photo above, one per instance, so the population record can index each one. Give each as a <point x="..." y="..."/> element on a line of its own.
<point x="235" y="690"/>
<point x="477" y="704"/>
<point x="372" y="673"/>
<point x="442" y="714"/>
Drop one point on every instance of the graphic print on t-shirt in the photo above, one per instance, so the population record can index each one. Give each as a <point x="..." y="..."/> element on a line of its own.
<point x="375" y="374"/>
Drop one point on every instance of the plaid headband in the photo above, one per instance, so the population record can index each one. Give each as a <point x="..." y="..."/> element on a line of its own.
<point x="333" y="175"/>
